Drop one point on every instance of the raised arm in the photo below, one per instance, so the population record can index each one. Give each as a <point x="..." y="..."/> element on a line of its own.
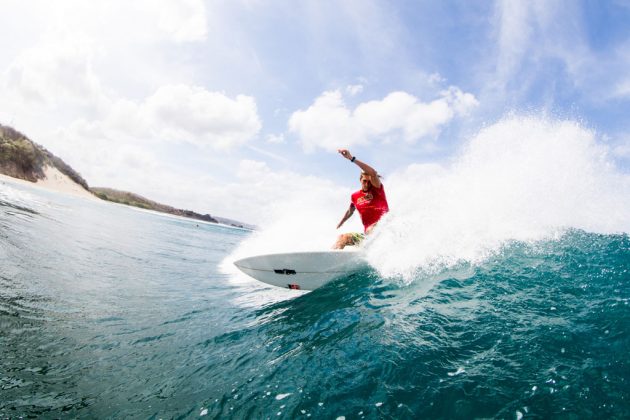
<point x="376" y="182"/>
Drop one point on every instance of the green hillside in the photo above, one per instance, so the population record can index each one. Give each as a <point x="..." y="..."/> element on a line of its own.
<point x="22" y="158"/>
<point x="131" y="199"/>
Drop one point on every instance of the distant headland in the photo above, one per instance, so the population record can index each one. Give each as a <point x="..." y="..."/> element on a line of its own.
<point x="23" y="159"/>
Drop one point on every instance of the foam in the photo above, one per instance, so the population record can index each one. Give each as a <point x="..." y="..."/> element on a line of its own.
<point x="302" y="220"/>
<point x="522" y="178"/>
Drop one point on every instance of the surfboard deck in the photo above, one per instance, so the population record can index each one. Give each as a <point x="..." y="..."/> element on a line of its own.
<point x="301" y="270"/>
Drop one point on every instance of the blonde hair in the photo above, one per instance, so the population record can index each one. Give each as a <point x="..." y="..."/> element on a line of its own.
<point x="366" y="174"/>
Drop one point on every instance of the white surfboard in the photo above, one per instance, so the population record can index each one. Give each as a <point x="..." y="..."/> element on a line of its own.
<point x="301" y="270"/>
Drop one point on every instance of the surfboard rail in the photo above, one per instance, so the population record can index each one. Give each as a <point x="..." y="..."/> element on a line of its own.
<point x="301" y="270"/>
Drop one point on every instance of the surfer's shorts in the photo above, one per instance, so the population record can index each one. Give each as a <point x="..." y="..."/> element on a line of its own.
<point x="356" y="237"/>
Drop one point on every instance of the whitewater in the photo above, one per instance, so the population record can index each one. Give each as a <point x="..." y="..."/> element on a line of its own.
<point x="521" y="179"/>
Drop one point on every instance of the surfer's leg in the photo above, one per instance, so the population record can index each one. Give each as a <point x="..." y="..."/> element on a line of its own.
<point x="342" y="241"/>
<point x="347" y="239"/>
<point x="357" y="238"/>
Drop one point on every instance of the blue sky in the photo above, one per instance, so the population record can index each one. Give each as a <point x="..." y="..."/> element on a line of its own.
<point x="219" y="105"/>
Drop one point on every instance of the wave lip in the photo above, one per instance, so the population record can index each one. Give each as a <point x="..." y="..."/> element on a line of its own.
<point x="521" y="179"/>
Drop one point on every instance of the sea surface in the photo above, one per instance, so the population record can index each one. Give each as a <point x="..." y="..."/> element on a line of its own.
<point x="111" y="312"/>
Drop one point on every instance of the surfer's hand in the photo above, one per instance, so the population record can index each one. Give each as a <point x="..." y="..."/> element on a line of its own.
<point x="345" y="153"/>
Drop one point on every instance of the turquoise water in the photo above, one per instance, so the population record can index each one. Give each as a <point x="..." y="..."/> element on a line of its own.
<point x="107" y="311"/>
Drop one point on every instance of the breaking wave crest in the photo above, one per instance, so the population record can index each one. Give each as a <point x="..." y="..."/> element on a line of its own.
<point x="521" y="179"/>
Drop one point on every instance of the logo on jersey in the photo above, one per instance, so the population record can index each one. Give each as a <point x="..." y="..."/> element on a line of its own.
<point x="366" y="198"/>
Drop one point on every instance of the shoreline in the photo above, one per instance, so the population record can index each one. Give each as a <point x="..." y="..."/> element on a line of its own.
<point x="178" y="217"/>
<point x="54" y="181"/>
<point x="57" y="182"/>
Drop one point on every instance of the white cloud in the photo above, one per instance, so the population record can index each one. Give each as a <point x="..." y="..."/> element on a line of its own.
<point x="252" y="169"/>
<point x="124" y="143"/>
<point x="326" y="123"/>
<point x="138" y="21"/>
<point x="329" y="122"/>
<point x="196" y="115"/>
<point x="103" y="158"/>
<point x="181" y="113"/>
<point x="56" y="72"/>
<point x="183" y="20"/>
<point x="177" y="113"/>
<point x="68" y="55"/>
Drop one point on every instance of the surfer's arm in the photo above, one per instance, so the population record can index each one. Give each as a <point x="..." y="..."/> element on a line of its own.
<point x="346" y="216"/>
<point x="376" y="182"/>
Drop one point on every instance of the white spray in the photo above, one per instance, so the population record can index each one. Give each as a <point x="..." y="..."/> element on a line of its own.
<point x="522" y="178"/>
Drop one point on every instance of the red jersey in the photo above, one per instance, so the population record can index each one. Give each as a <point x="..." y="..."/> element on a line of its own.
<point x="372" y="205"/>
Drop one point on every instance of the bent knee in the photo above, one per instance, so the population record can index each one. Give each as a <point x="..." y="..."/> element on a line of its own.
<point x="345" y="239"/>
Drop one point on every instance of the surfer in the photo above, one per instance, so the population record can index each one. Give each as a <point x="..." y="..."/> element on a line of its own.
<point x="370" y="201"/>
